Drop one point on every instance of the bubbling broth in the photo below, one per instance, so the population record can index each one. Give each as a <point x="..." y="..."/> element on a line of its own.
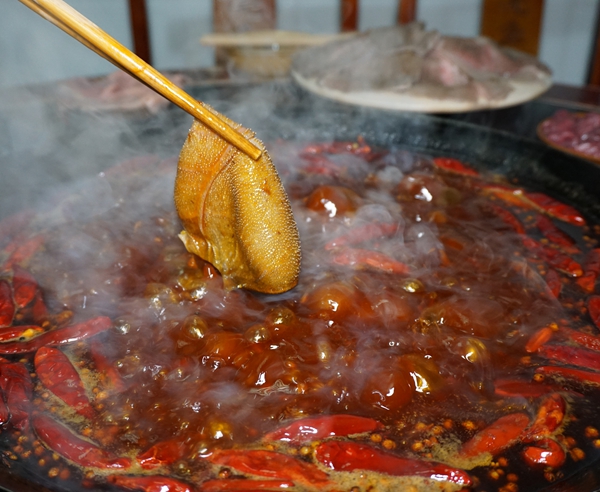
<point x="442" y="336"/>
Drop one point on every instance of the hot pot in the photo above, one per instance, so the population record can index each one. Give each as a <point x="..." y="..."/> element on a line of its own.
<point x="281" y="111"/>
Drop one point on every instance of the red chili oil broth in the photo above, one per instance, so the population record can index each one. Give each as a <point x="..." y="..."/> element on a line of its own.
<point x="219" y="369"/>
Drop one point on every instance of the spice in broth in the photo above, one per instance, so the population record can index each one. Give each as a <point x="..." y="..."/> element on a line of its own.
<point x="443" y="335"/>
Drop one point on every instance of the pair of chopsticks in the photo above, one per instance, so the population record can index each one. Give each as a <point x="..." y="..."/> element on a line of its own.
<point x="86" y="32"/>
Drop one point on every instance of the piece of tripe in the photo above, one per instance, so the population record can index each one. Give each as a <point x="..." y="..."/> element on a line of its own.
<point x="235" y="212"/>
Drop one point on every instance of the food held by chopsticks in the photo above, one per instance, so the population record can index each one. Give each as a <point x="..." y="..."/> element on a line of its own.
<point x="236" y="213"/>
<point x="410" y="68"/>
<point x="229" y="197"/>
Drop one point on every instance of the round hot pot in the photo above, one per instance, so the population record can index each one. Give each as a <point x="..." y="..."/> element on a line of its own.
<point x="92" y="143"/>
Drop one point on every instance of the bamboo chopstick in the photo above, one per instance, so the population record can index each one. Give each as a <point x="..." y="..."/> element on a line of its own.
<point x="83" y="30"/>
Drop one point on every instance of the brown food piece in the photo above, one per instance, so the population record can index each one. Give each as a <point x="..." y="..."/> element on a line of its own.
<point x="236" y="213"/>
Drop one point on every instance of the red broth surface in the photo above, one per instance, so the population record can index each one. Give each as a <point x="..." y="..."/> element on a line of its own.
<point x="442" y="336"/>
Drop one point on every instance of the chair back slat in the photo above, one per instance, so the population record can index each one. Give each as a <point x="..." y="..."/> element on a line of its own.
<point x="513" y="23"/>
<point x="139" y="29"/>
<point x="593" y="77"/>
<point x="407" y="11"/>
<point x="348" y="15"/>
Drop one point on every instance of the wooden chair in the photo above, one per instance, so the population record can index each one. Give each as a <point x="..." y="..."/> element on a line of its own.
<point x="513" y="23"/>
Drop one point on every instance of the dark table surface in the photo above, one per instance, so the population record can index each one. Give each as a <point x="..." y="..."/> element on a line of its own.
<point x="524" y="118"/>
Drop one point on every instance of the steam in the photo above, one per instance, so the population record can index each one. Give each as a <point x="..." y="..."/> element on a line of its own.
<point x="208" y="358"/>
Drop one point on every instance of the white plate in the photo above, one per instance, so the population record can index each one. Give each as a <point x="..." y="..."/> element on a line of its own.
<point x="409" y="68"/>
<point x="522" y="92"/>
